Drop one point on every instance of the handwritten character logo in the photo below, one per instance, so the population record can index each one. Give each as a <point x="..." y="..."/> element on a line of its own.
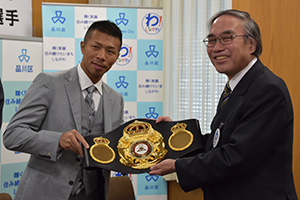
<point x="152" y="23"/>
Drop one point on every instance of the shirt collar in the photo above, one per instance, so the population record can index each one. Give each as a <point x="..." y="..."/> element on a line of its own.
<point x="86" y="82"/>
<point x="236" y="79"/>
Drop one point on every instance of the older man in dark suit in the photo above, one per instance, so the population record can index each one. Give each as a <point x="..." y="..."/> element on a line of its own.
<point x="248" y="154"/>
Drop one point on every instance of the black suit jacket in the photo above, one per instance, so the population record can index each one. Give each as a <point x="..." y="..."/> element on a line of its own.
<point x="253" y="158"/>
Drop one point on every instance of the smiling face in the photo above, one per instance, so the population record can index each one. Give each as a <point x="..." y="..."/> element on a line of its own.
<point x="100" y="52"/>
<point x="231" y="58"/>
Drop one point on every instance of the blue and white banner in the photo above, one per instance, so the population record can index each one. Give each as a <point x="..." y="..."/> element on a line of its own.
<point x="20" y="62"/>
<point x="137" y="75"/>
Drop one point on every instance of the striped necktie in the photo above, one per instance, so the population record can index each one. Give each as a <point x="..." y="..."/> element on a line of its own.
<point x="225" y="94"/>
<point x="90" y="103"/>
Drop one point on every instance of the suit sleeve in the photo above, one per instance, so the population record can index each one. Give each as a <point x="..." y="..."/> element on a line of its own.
<point x="256" y="129"/>
<point x="23" y="132"/>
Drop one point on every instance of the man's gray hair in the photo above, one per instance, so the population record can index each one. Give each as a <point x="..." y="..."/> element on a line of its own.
<point x="251" y="27"/>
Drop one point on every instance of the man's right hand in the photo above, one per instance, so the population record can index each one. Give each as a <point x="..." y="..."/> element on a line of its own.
<point x="71" y="141"/>
<point x="163" y="119"/>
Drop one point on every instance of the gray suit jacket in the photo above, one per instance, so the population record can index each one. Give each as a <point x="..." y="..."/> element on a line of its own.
<point x="52" y="106"/>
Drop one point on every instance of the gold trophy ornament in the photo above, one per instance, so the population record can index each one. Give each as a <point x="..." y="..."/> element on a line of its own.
<point x="101" y="151"/>
<point x="141" y="146"/>
<point x="181" y="138"/>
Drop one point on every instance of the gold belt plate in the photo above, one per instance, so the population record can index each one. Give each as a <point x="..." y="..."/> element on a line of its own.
<point x="141" y="146"/>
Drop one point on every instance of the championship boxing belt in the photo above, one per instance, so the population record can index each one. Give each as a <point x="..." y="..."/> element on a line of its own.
<point x="140" y="143"/>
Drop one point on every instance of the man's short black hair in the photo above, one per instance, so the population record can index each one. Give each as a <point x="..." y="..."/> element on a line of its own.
<point x="104" y="26"/>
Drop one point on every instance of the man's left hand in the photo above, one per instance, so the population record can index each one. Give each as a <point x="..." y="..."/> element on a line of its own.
<point x="164" y="167"/>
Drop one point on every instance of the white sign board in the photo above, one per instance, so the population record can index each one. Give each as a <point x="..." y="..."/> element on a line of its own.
<point x="16" y="17"/>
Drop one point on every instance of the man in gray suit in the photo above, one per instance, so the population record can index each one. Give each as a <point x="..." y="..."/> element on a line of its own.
<point x="53" y="118"/>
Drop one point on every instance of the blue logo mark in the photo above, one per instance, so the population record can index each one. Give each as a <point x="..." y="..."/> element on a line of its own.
<point x="125" y="55"/>
<point x="122" y="19"/>
<point x="152" y="51"/>
<point x="120" y="174"/>
<point x="153" y="18"/>
<point x="126" y="51"/>
<point x="153" y="177"/>
<point x="24" y="56"/>
<point x="122" y="82"/>
<point x="152" y="113"/>
<point x="58" y="17"/>
<point x="152" y="23"/>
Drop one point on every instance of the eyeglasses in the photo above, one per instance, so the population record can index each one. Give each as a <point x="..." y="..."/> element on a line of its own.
<point x="224" y="39"/>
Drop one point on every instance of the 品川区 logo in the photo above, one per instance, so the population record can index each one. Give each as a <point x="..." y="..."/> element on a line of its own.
<point x="152" y="51"/>
<point x="152" y="114"/>
<point x="122" y="19"/>
<point x="125" y="55"/>
<point x="152" y="23"/>
<point x="24" y="56"/>
<point x="122" y="82"/>
<point x="151" y="177"/>
<point x="58" y="17"/>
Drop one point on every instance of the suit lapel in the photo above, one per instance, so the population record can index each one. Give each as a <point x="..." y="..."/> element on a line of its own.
<point x="241" y="88"/>
<point x="236" y="98"/>
<point x="74" y="94"/>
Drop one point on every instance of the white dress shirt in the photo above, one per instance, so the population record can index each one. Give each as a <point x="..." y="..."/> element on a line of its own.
<point x="86" y="82"/>
<point x="236" y="79"/>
